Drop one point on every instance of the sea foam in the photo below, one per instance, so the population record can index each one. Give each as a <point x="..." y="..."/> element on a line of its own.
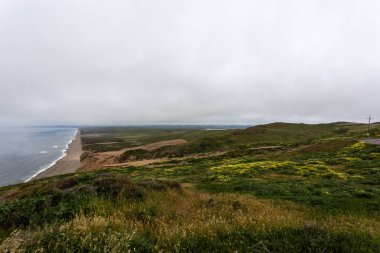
<point x="46" y="167"/>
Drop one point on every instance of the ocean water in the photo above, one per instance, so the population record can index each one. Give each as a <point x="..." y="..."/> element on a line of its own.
<point x="27" y="151"/>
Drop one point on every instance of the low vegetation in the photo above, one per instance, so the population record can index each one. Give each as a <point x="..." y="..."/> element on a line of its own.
<point x="273" y="188"/>
<point x="106" y="212"/>
<point x="346" y="180"/>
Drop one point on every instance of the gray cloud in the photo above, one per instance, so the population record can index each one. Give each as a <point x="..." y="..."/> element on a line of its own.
<point x="174" y="61"/>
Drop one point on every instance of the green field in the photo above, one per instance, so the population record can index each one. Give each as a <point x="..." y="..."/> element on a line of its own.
<point x="271" y="188"/>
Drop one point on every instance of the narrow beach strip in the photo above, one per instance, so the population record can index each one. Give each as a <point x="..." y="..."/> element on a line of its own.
<point x="68" y="163"/>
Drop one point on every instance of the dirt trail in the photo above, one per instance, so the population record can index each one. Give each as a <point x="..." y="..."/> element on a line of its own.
<point x="102" y="143"/>
<point x="148" y="147"/>
<point x="266" y="147"/>
<point x="159" y="160"/>
<point x="193" y="156"/>
<point x="375" y="141"/>
<point x="105" y="159"/>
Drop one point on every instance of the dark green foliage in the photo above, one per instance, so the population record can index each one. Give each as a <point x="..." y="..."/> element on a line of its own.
<point x="42" y="207"/>
<point x="341" y="130"/>
<point x="282" y="239"/>
<point x="112" y="186"/>
<point x="84" y="156"/>
<point x="97" y="241"/>
<point x="60" y="200"/>
<point x="144" y="243"/>
<point x="199" y="146"/>
<point x="159" y="185"/>
<point x="307" y="239"/>
<point x="131" y="155"/>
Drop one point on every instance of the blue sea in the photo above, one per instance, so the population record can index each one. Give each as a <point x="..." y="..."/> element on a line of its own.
<point x="27" y="151"/>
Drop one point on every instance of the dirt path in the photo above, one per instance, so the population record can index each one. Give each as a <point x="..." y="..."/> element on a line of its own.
<point x="194" y="156"/>
<point x="159" y="160"/>
<point x="375" y="141"/>
<point x="148" y="147"/>
<point x="107" y="159"/>
<point x="266" y="147"/>
<point x="102" y="143"/>
<point x="139" y="163"/>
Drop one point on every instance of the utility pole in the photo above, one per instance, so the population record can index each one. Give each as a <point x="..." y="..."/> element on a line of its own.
<point x="369" y="124"/>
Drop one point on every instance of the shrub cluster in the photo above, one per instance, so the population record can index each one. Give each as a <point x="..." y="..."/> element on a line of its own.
<point x="40" y="202"/>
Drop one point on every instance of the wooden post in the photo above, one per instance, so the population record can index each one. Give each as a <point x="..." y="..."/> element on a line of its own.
<point x="369" y="125"/>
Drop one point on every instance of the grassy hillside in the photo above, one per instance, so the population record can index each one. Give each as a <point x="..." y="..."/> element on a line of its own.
<point x="201" y="141"/>
<point x="275" y="133"/>
<point x="107" y="139"/>
<point x="271" y="188"/>
<point x="106" y="212"/>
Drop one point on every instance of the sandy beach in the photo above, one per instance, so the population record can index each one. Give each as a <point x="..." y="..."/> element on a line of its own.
<point x="68" y="164"/>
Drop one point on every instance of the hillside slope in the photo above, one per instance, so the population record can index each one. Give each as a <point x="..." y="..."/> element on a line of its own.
<point x="272" y="188"/>
<point x="107" y="212"/>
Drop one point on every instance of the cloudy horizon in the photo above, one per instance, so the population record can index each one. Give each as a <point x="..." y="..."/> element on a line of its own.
<point x="188" y="62"/>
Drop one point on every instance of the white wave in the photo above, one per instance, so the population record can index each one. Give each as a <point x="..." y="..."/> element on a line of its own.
<point x="55" y="147"/>
<point x="43" y="152"/>
<point x="64" y="153"/>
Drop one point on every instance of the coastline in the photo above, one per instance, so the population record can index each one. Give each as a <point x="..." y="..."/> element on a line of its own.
<point x="69" y="163"/>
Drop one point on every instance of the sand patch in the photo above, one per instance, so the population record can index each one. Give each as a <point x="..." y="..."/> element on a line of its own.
<point x="108" y="158"/>
<point x="148" y="147"/>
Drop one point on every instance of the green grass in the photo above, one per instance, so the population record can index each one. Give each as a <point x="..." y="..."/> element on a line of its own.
<point x="345" y="177"/>
<point x="199" y="141"/>
<point x="130" y="137"/>
<point x="319" y="191"/>
<point x="105" y="211"/>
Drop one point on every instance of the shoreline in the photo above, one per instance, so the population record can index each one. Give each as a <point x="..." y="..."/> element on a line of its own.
<point x="68" y="163"/>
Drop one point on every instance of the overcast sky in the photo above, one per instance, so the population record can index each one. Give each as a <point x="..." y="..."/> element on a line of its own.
<point x="177" y="61"/>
